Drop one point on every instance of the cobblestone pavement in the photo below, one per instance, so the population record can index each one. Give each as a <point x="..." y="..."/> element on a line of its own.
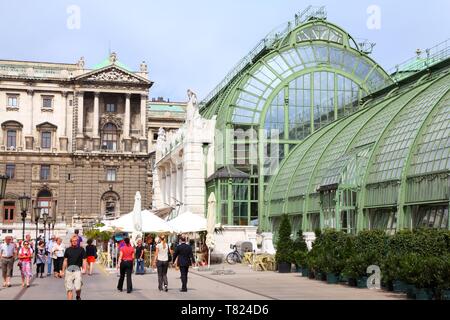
<point x="243" y="284"/>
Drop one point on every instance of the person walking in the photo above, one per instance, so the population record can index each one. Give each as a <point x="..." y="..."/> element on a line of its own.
<point x="125" y="263"/>
<point x="8" y="254"/>
<point x="139" y="257"/>
<point x="40" y="259"/>
<point x="80" y="239"/>
<point x="75" y="264"/>
<point x="91" y="253"/>
<point x="162" y="262"/>
<point x="58" y="257"/>
<point x="48" y="252"/>
<point x="183" y="253"/>
<point x="25" y="255"/>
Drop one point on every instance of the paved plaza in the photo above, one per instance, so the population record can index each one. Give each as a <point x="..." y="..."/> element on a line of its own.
<point x="244" y="284"/>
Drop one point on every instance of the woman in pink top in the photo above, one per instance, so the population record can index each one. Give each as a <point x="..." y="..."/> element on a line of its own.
<point x="125" y="263"/>
<point x="25" y="254"/>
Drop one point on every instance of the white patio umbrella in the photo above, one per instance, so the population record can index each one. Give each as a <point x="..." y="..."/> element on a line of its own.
<point x="188" y="222"/>
<point x="211" y="224"/>
<point x="150" y="223"/>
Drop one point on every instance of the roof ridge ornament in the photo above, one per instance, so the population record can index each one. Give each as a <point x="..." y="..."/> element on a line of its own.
<point x="113" y="57"/>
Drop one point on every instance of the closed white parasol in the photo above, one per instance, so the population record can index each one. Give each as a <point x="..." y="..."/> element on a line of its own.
<point x="211" y="224"/>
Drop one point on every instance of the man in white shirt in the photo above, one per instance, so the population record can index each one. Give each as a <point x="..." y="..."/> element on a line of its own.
<point x="48" y="249"/>
<point x="7" y="254"/>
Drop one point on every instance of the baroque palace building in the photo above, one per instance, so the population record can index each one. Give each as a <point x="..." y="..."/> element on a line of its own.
<point x="73" y="139"/>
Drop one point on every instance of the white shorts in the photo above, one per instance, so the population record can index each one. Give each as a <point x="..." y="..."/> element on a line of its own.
<point x="73" y="280"/>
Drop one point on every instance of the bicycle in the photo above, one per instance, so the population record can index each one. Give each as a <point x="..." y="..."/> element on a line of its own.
<point x="234" y="256"/>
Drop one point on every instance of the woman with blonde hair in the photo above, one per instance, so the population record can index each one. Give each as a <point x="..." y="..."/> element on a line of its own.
<point x="162" y="262"/>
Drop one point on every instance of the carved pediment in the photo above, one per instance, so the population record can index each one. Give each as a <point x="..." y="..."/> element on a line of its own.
<point x="111" y="118"/>
<point x="113" y="74"/>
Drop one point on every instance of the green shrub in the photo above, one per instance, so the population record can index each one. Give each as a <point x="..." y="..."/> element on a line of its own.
<point x="285" y="246"/>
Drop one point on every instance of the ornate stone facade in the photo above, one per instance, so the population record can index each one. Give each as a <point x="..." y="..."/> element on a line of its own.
<point x="73" y="139"/>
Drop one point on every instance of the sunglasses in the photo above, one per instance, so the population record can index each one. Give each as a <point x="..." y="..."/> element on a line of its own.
<point x="25" y="244"/>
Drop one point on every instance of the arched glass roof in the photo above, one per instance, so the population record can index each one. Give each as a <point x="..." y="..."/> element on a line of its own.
<point x="400" y="135"/>
<point x="312" y="46"/>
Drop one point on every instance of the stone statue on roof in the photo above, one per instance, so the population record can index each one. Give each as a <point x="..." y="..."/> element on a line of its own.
<point x="80" y="63"/>
<point x="161" y="135"/>
<point x="144" y="67"/>
<point x="113" y="57"/>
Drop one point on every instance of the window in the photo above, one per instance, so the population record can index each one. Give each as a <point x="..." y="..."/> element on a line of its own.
<point x="45" y="172"/>
<point x="13" y="100"/>
<point x="10" y="171"/>
<point x="8" y="212"/>
<point x="110" y="107"/>
<point x="47" y="102"/>
<point x="11" y="138"/>
<point x="46" y="140"/>
<point x="109" y="137"/>
<point x="111" y="174"/>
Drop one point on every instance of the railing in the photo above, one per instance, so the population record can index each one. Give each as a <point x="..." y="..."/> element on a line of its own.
<point x="267" y="42"/>
<point x="434" y="55"/>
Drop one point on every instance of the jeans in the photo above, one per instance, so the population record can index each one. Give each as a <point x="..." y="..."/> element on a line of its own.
<point x="162" y="273"/>
<point x="140" y="266"/>
<point x="49" y="266"/>
<point x="125" y="267"/>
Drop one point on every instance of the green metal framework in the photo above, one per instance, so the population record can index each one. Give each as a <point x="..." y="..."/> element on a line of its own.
<point x="386" y="166"/>
<point x="305" y="81"/>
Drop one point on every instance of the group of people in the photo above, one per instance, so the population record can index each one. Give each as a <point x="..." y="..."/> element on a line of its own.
<point x="70" y="263"/>
<point x="182" y="255"/>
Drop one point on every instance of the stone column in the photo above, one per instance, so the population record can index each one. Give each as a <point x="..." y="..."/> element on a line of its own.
<point x="29" y="137"/>
<point x="80" y="123"/>
<point x="143" y="136"/>
<point x="173" y="188"/>
<point x="95" y="132"/>
<point x="126" y="124"/>
<point x="167" y="186"/>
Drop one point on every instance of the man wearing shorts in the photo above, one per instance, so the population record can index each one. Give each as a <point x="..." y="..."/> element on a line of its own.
<point x="73" y="266"/>
<point x="7" y="254"/>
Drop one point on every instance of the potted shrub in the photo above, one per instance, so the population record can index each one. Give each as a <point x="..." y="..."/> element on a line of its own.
<point x="284" y="255"/>
<point x="443" y="283"/>
<point x="300" y="251"/>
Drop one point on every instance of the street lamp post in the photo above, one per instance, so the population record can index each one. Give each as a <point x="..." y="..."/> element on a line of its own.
<point x="3" y="181"/>
<point x="24" y="202"/>
<point x="44" y="219"/>
<point x="37" y="216"/>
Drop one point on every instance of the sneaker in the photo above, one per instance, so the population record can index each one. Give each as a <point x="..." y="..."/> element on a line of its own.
<point x="165" y="288"/>
<point x="78" y="298"/>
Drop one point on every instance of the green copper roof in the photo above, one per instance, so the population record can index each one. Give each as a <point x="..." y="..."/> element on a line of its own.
<point x="165" y="107"/>
<point x="107" y="62"/>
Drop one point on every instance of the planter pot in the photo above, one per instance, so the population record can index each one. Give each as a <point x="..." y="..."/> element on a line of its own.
<point x="284" y="267"/>
<point x="399" y="286"/>
<point x="424" y="294"/>
<point x="343" y="278"/>
<point x="411" y="291"/>
<point x="332" y="278"/>
<point x="352" y="282"/>
<point x="305" y="272"/>
<point x="445" y="294"/>
<point x="321" y="276"/>
<point x="362" y="283"/>
<point x="298" y="269"/>
<point x="311" y="274"/>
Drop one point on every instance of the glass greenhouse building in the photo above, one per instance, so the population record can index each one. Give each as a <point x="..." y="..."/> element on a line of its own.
<point x="308" y="124"/>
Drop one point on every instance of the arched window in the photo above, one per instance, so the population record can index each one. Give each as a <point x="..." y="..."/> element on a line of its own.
<point x="109" y="137"/>
<point x="110" y="205"/>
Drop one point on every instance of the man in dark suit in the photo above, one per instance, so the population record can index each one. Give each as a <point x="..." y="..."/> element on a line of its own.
<point x="185" y="258"/>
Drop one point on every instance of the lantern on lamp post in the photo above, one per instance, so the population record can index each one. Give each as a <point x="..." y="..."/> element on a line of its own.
<point x="24" y="203"/>
<point x="37" y="216"/>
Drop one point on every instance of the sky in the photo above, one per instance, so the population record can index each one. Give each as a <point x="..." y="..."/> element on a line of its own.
<point x="193" y="44"/>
